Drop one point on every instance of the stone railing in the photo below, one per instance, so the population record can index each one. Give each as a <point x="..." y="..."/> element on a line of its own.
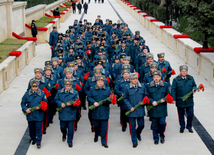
<point x="203" y="63"/>
<point x="12" y="66"/>
<point x="39" y="11"/>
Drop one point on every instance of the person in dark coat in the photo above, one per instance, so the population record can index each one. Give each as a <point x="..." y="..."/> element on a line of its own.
<point x="90" y="83"/>
<point x="157" y="90"/>
<point x="133" y="94"/>
<point x="74" y="7"/>
<point x="67" y="116"/>
<point x="100" y="20"/>
<point x="33" y="97"/>
<point x="56" y="12"/>
<point x="52" y="82"/>
<point x="162" y="63"/>
<point x="119" y="91"/>
<point x="85" y="6"/>
<point x="100" y="115"/>
<point x="33" y="28"/>
<point x="82" y="1"/>
<point x="181" y="85"/>
<point x="53" y="40"/>
<point x="79" y="7"/>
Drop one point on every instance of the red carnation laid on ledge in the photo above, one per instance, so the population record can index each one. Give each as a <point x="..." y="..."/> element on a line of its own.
<point x="15" y="53"/>
<point x="165" y="27"/>
<point x="24" y="38"/>
<point x="39" y="29"/>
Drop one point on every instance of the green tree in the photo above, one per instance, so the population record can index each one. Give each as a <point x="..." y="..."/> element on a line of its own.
<point x="200" y="16"/>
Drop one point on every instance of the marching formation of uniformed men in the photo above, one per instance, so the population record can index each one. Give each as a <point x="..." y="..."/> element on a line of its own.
<point x="89" y="63"/>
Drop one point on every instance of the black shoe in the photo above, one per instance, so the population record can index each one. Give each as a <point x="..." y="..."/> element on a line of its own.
<point x="33" y="143"/>
<point x="123" y="129"/>
<point x="51" y="122"/>
<point x="70" y="145"/>
<point x="44" y="132"/>
<point x="105" y="145"/>
<point x="63" y="138"/>
<point x="139" y="138"/>
<point x="156" y="142"/>
<point x="75" y="128"/>
<point x="190" y="130"/>
<point x="134" y="145"/>
<point x="38" y="146"/>
<point x="162" y="141"/>
<point x="84" y="108"/>
<point x="181" y="130"/>
<point x="96" y="139"/>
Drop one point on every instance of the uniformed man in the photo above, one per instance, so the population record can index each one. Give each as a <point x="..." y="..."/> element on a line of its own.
<point x="38" y="76"/>
<point x="33" y="97"/>
<point x="145" y="68"/>
<point x="149" y="77"/>
<point x="133" y="94"/>
<point x="100" y="115"/>
<point x="53" y="39"/>
<point x="157" y="90"/>
<point x="57" y="68"/>
<point x="162" y="63"/>
<point x="52" y="86"/>
<point x="119" y="91"/>
<point x="33" y="28"/>
<point x="181" y="85"/>
<point x="90" y="83"/>
<point x="67" y="115"/>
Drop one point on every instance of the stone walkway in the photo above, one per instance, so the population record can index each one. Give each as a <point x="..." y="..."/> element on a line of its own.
<point x="13" y="123"/>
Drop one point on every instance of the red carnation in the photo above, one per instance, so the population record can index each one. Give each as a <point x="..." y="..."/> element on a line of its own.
<point x="77" y="103"/>
<point x="163" y="80"/>
<point x="201" y="86"/>
<point x="86" y="76"/>
<point x="138" y="74"/>
<point x="47" y="93"/>
<point x="88" y="52"/>
<point x="51" y="47"/>
<point x="81" y="83"/>
<point x="108" y="80"/>
<point x="113" y="99"/>
<point x="78" y="88"/>
<point x="173" y="72"/>
<point x="169" y="98"/>
<point x="163" y="70"/>
<point x="44" y="105"/>
<point x="146" y="100"/>
<point x="57" y="85"/>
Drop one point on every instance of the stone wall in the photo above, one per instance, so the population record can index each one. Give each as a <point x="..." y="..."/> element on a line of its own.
<point x="3" y="19"/>
<point x="12" y="66"/>
<point x="12" y="17"/>
<point x="18" y="17"/>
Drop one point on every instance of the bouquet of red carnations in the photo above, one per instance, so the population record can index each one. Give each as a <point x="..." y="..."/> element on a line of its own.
<point x="43" y="105"/>
<point x="111" y="98"/>
<point x="168" y="99"/>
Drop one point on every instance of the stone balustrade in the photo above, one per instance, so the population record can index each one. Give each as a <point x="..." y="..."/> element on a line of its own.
<point x="203" y="63"/>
